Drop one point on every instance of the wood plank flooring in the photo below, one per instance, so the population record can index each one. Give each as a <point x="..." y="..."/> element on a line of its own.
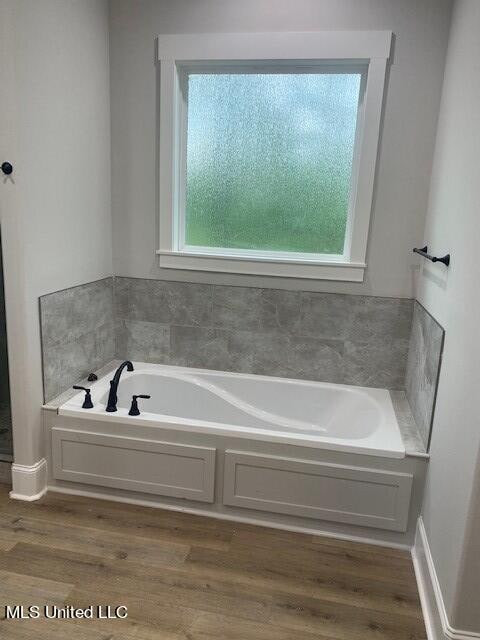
<point x="185" y="577"/>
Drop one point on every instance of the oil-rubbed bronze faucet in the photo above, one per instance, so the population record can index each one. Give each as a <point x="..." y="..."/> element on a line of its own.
<point x="112" y="396"/>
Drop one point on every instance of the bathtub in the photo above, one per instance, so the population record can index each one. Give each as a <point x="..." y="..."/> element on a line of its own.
<point x="309" y="414"/>
<point x="298" y="455"/>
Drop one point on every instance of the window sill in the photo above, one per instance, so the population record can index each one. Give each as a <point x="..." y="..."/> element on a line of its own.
<point x="262" y="266"/>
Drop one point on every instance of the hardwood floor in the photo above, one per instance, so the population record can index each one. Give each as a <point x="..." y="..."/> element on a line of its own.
<point x="185" y="577"/>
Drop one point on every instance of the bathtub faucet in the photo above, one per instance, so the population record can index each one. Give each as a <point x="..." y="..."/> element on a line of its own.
<point x="112" y="396"/>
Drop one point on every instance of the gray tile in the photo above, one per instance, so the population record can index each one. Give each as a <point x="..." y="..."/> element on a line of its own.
<point x="326" y="315"/>
<point x="381" y="319"/>
<point x="318" y="359"/>
<point x="329" y="337"/>
<point x="202" y="347"/>
<point x="375" y="364"/>
<point x="303" y="313"/>
<point x="65" y="396"/>
<point x="280" y="309"/>
<point x="423" y="367"/>
<point x="181" y="303"/>
<point x="67" y="363"/>
<point x="237" y="307"/>
<point x="411" y="436"/>
<point x="247" y="308"/>
<point x="299" y="313"/>
<point x="78" y="333"/>
<point x="143" y="341"/>
<point x="276" y="332"/>
<point x="104" y="346"/>
<point x="288" y="356"/>
<point x="264" y="353"/>
<point x="257" y="352"/>
<point x="70" y="313"/>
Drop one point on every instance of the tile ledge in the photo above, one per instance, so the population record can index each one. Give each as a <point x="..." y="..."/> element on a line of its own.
<point x="412" y="440"/>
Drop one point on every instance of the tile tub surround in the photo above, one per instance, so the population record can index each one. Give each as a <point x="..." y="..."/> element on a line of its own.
<point x="423" y="368"/>
<point x="358" y="340"/>
<point x="78" y="333"/>
<point x="326" y="337"/>
<point x="348" y="339"/>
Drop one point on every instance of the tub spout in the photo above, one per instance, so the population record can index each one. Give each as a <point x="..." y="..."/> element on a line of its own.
<point x="112" y="396"/>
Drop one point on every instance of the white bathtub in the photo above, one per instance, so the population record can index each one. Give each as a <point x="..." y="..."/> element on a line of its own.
<point x="314" y="414"/>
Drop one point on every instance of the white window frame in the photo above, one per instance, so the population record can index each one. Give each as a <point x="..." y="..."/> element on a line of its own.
<point x="178" y="54"/>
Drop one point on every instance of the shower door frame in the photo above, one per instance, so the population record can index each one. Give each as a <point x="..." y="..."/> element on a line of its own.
<point x="11" y="225"/>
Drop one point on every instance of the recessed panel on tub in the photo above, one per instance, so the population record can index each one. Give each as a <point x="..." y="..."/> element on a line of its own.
<point x="340" y="493"/>
<point x="161" y="468"/>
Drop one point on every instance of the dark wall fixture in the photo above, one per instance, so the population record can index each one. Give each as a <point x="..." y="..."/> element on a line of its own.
<point x="424" y="253"/>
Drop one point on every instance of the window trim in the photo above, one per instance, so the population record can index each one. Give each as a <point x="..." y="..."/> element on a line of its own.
<point x="177" y="53"/>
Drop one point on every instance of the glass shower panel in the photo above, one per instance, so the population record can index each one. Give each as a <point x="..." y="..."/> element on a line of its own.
<point x="5" y="412"/>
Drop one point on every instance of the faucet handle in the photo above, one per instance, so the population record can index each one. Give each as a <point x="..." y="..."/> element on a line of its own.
<point x="87" y="403"/>
<point x="134" y="410"/>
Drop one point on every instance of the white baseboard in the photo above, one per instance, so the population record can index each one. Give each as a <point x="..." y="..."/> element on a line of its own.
<point x="436" y="620"/>
<point x="29" y="482"/>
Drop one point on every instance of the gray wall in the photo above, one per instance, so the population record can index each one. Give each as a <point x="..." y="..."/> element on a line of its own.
<point x="413" y="95"/>
<point x="359" y="340"/>
<point x="347" y="339"/>
<point x="452" y="501"/>
<point x="78" y="334"/>
<point x="56" y="214"/>
<point x="423" y="368"/>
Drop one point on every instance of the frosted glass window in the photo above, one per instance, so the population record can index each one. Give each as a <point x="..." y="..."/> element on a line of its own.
<point x="269" y="160"/>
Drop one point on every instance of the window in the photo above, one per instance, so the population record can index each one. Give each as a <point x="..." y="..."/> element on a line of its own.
<point x="267" y="162"/>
